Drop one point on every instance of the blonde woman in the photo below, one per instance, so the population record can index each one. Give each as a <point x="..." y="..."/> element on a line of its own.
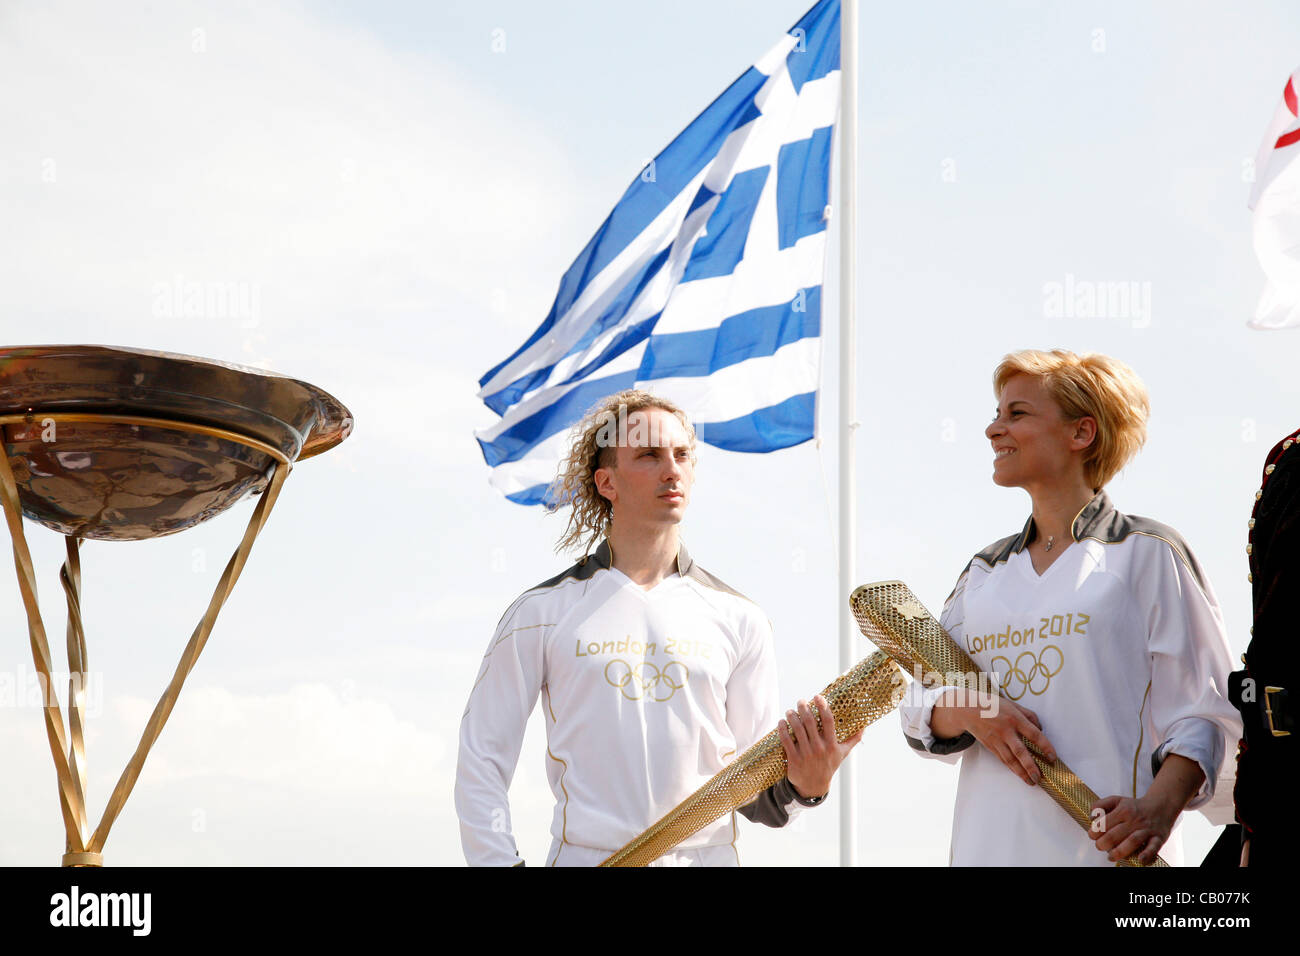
<point x="1104" y="634"/>
<point x="654" y="673"/>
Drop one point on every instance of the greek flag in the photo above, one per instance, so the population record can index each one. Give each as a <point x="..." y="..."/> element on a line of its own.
<point x="704" y="285"/>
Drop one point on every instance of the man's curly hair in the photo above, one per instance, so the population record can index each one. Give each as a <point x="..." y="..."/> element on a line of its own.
<point x="575" y="484"/>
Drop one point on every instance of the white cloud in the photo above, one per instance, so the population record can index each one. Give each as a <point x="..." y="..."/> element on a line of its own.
<point x="311" y="757"/>
<point x="311" y="737"/>
<point x="301" y="157"/>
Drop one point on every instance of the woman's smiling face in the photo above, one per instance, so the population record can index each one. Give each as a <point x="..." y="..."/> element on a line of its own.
<point x="1033" y="443"/>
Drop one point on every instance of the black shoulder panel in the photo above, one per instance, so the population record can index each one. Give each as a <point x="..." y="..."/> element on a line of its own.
<point x="1112" y="527"/>
<point x="600" y="559"/>
<point x="581" y="571"/>
<point x="709" y="581"/>
<point x="1002" y="549"/>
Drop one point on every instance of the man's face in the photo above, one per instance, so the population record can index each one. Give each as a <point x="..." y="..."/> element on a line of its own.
<point x="651" y="480"/>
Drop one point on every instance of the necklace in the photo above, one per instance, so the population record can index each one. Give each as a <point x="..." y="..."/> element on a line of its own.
<point x="1051" y="540"/>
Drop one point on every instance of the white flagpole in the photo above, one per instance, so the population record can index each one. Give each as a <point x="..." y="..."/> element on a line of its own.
<point x="848" y="399"/>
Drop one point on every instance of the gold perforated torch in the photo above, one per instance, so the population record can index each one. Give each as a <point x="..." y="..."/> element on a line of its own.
<point x="896" y="622"/>
<point x="860" y="697"/>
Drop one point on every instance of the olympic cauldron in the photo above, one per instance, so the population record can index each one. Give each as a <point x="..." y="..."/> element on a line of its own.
<point x="121" y="444"/>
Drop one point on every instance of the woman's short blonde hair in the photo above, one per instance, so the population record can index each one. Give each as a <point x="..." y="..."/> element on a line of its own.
<point x="590" y="449"/>
<point x="1090" y="384"/>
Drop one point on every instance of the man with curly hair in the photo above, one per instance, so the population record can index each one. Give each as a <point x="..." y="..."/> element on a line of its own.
<point x="654" y="673"/>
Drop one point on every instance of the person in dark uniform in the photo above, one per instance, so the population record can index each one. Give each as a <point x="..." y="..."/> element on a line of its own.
<point x="1267" y="690"/>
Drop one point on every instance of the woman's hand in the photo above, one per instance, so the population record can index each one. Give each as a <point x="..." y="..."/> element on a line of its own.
<point x="998" y="724"/>
<point x="1127" y="827"/>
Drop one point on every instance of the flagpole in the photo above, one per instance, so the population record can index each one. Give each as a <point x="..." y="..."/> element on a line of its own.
<point x="848" y="398"/>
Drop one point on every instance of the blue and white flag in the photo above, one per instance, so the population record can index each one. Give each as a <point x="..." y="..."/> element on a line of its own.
<point x="704" y="285"/>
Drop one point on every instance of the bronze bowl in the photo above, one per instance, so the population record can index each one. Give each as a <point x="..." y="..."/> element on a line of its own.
<point x="213" y="433"/>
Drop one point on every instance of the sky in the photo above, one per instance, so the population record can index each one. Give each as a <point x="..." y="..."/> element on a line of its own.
<point x="395" y="189"/>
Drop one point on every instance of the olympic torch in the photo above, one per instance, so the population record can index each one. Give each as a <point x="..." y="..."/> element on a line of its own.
<point x="895" y="621"/>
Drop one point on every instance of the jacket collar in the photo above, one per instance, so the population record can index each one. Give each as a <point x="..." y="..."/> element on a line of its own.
<point x="604" y="557"/>
<point x="1095" y="513"/>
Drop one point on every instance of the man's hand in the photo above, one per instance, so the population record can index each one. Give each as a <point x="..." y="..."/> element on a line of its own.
<point x="812" y="753"/>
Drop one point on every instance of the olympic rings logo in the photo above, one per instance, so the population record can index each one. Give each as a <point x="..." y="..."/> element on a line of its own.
<point x="645" y="680"/>
<point x="1029" y="673"/>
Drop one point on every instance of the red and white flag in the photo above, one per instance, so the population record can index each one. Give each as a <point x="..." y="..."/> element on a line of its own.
<point x="1276" y="202"/>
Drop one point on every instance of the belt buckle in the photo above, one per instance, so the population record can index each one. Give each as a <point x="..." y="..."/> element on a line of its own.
<point x="1268" y="709"/>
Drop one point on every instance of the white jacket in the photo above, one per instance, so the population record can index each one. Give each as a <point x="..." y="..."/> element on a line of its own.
<point x="646" y="695"/>
<point x="1118" y="647"/>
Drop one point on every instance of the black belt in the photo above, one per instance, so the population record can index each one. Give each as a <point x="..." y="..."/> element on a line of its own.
<point x="1264" y="708"/>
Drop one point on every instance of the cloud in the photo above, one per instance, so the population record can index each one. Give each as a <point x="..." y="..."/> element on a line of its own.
<point x="229" y="767"/>
<point x="195" y="144"/>
<point x="310" y="737"/>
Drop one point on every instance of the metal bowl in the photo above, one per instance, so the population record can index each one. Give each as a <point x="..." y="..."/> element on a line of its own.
<point x="121" y="481"/>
